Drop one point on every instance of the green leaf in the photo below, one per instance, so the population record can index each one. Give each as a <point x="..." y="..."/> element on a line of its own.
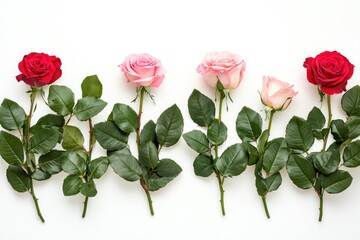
<point x="125" y="165"/>
<point x="337" y="181"/>
<point x="325" y="131"/>
<point x="263" y="140"/>
<point x="260" y="185"/>
<point x="275" y="156"/>
<point x="148" y="155"/>
<point x="326" y="162"/>
<point x="339" y="130"/>
<point x="61" y="100"/>
<point x="169" y="126"/>
<point x="299" y="135"/>
<point x="353" y="124"/>
<point x="11" y="149"/>
<point x="40" y="175"/>
<point x="197" y="140"/>
<point x="109" y="136"/>
<point x="43" y="141"/>
<point x="18" y="178"/>
<point x="168" y="168"/>
<point x="72" y="185"/>
<point x="233" y="161"/>
<point x="88" y="107"/>
<point x="12" y="116"/>
<point x="273" y="182"/>
<point x="201" y="108"/>
<point x="73" y="138"/>
<point x="248" y="124"/>
<point x="269" y="184"/>
<point x="316" y="118"/>
<point x="334" y="146"/>
<point x="98" y="167"/>
<point x="350" y="102"/>
<point x="203" y="165"/>
<point x="148" y="133"/>
<point x="89" y="189"/>
<point x="91" y="87"/>
<point x="318" y="134"/>
<point x="125" y="117"/>
<point x="48" y="120"/>
<point x="252" y="153"/>
<point x="74" y="163"/>
<point x="217" y="133"/>
<point x="318" y="183"/>
<point x="51" y="162"/>
<point x="351" y="155"/>
<point x="301" y="171"/>
<point x="156" y="182"/>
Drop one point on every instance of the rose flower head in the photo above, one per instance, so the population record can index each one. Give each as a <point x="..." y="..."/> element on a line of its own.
<point x="143" y="70"/>
<point x="276" y="94"/>
<point x="330" y="71"/>
<point x="226" y="67"/>
<point x="39" y="69"/>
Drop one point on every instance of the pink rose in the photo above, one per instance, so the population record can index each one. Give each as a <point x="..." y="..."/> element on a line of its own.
<point x="143" y="70"/>
<point x="226" y="67"/>
<point x="276" y="94"/>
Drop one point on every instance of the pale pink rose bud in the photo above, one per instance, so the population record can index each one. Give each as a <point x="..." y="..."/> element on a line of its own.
<point x="226" y="67"/>
<point x="276" y="94"/>
<point x="143" y="70"/>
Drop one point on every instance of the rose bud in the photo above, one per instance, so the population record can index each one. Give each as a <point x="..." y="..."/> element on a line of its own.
<point x="276" y="94"/>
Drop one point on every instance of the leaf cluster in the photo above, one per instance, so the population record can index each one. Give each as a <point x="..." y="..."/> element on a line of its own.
<point x="153" y="172"/>
<point x="321" y="170"/>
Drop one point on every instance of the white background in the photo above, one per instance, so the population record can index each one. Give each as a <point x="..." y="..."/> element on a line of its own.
<point x="93" y="37"/>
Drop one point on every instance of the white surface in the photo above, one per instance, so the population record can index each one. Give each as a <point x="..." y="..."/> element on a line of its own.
<point x="93" y="37"/>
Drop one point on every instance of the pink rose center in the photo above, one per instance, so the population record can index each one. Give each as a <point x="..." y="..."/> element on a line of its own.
<point x="143" y="63"/>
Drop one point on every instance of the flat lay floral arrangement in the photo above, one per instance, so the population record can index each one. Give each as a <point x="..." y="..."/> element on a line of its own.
<point x="34" y="151"/>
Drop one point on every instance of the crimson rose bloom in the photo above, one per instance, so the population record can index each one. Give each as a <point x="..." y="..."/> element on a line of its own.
<point x="39" y="69"/>
<point x="329" y="70"/>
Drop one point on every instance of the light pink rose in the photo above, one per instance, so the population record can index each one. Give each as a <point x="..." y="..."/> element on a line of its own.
<point x="276" y="94"/>
<point x="143" y="70"/>
<point x="226" y="67"/>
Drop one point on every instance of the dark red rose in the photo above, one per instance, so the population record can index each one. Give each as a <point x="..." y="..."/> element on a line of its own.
<point x="39" y="69"/>
<point x="330" y="70"/>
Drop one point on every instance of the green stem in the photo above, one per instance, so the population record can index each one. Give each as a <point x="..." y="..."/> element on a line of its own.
<point x="263" y="197"/>
<point x="328" y="100"/>
<point x="142" y="91"/>
<point x="218" y="176"/>
<point x="85" y="207"/>
<point x="148" y="196"/>
<point x="26" y="140"/>
<point x="92" y="142"/>
<point x="221" y="193"/>
<point x="67" y="122"/>
<point x="220" y="106"/>
<point x="272" y="112"/>
<point x="32" y="192"/>
<point x="142" y="182"/>
<point x="321" y="207"/>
